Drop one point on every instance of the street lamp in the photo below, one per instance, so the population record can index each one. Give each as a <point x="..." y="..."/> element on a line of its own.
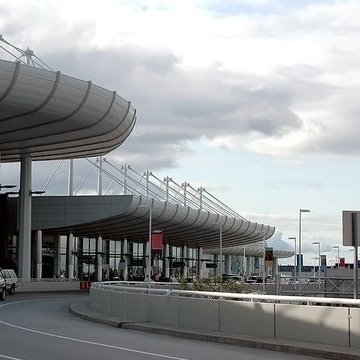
<point x="262" y="233"/>
<point x="299" y="261"/>
<point x="149" y="240"/>
<point x="221" y="223"/>
<point x="220" y="244"/>
<point x="264" y="262"/>
<point x="338" y="254"/>
<point x="318" y="243"/>
<point x="294" y="238"/>
<point x="314" y="258"/>
<point x="244" y="261"/>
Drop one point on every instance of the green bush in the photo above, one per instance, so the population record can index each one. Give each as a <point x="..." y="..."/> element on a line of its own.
<point x="213" y="284"/>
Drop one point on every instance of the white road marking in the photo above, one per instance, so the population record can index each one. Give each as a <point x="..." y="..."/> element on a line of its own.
<point x="79" y="340"/>
<point x="9" y="357"/>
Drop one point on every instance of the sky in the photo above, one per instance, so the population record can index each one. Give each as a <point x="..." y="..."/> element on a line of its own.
<point x="255" y="100"/>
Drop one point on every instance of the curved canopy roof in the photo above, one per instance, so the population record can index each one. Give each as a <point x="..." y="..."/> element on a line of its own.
<point x="53" y="116"/>
<point x="127" y="216"/>
<point x="256" y="250"/>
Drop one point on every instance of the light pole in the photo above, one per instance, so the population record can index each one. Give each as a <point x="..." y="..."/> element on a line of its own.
<point x="220" y="244"/>
<point x="314" y="258"/>
<point x="299" y="261"/>
<point x="244" y="262"/>
<point x="264" y="262"/>
<point x="220" y="222"/>
<point x="318" y="243"/>
<point x="294" y="238"/>
<point x="149" y="241"/>
<point x="338" y="254"/>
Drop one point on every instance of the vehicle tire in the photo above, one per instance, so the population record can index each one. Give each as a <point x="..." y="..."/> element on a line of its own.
<point x="12" y="290"/>
<point x="3" y="295"/>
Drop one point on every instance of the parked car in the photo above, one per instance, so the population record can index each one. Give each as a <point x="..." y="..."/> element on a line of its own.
<point x="254" y="279"/>
<point x="2" y="288"/>
<point x="11" y="280"/>
<point x="313" y="280"/>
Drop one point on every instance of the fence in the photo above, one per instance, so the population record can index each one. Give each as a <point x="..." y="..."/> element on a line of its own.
<point x="332" y="321"/>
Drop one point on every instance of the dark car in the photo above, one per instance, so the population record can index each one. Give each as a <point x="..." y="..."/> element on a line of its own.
<point x="11" y="280"/>
<point x="2" y="288"/>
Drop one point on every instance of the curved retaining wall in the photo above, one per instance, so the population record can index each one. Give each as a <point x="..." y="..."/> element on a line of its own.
<point x="330" y="325"/>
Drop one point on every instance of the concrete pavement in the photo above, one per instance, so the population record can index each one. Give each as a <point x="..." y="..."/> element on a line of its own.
<point x="83" y="310"/>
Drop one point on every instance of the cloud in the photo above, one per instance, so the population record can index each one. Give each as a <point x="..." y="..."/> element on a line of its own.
<point x="269" y="76"/>
<point x="278" y="243"/>
<point x="299" y="107"/>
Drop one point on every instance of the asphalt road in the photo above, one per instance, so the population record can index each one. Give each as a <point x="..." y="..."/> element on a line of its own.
<point x="40" y="327"/>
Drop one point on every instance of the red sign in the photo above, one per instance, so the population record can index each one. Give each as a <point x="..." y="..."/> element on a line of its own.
<point x="342" y="263"/>
<point x="157" y="240"/>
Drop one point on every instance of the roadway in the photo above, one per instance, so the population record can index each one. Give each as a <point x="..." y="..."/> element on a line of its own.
<point x="40" y="327"/>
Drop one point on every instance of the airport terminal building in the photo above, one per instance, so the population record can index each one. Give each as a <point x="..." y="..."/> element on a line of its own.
<point x="46" y="115"/>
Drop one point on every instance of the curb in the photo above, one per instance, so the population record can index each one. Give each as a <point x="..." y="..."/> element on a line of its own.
<point x="322" y="351"/>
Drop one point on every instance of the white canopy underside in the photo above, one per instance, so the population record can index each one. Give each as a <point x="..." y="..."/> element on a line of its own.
<point x="52" y="116"/>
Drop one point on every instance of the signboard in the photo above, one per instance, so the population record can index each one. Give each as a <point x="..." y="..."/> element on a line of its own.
<point x="269" y="254"/>
<point x="157" y="240"/>
<point x="323" y="261"/>
<point x="211" y="265"/>
<point x="342" y="263"/>
<point x="178" y="264"/>
<point x="137" y="262"/>
<point x="350" y="227"/>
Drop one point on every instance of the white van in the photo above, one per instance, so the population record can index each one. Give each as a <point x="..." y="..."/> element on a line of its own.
<point x="11" y="280"/>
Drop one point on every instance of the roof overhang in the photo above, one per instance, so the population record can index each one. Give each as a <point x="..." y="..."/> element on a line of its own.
<point x="49" y="115"/>
<point x="256" y="250"/>
<point x="117" y="217"/>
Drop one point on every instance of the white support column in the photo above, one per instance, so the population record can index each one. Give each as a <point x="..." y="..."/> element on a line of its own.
<point x="99" y="266"/>
<point x="248" y="266"/>
<point x="125" y="258"/>
<point x="70" y="256"/>
<point x="227" y="264"/>
<point x="200" y="264"/>
<point x="257" y="264"/>
<point x="24" y="257"/>
<point x="167" y="262"/>
<point x="38" y="258"/>
<point x="275" y="267"/>
<point x="57" y="258"/>
<point x="71" y="178"/>
<point x="184" y="257"/>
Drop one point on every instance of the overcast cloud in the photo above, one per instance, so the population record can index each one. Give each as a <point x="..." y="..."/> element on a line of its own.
<point x="275" y="78"/>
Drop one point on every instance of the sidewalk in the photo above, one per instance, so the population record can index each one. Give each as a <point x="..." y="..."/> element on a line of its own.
<point x="83" y="310"/>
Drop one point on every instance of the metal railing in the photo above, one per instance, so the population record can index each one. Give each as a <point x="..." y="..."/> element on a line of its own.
<point x="326" y="286"/>
<point x="164" y="289"/>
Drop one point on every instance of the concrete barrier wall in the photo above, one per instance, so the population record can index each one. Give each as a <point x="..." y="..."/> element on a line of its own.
<point x="318" y="324"/>
<point x="137" y="307"/>
<point x="101" y="300"/>
<point x="198" y="313"/>
<point x="247" y="318"/>
<point x="354" y="320"/>
<point x="119" y="305"/>
<point x="163" y="310"/>
<point x="330" y="325"/>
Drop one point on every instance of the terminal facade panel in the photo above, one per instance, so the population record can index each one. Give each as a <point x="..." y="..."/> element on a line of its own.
<point x="110" y="240"/>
